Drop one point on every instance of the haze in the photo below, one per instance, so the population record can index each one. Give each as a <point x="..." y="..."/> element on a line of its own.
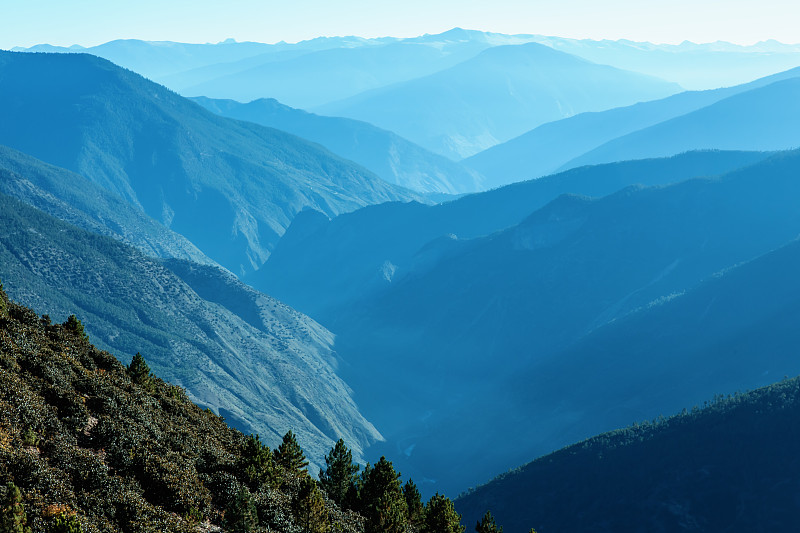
<point x="92" y="22"/>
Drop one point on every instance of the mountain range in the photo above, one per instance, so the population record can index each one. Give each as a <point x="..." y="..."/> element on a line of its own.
<point x="495" y="96"/>
<point x="388" y="155"/>
<point x="228" y="186"/>
<point x="654" y="269"/>
<point x="459" y="322"/>
<point x="578" y="140"/>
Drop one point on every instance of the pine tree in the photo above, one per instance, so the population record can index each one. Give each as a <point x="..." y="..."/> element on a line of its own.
<point x="290" y="456"/>
<point x="413" y="502"/>
<point x="381" y="500"/>
<point x="441" y="516"/>
<point x="241" y="516"/>
<point x="139" y="371"/>
<point x="488" y="525"/>
<point x="340" y="474"/>
<point x="75" y="326"/>
<point x="256" y="465"/>
<point x="12" y="512"/>
<point x="309" y="508"/>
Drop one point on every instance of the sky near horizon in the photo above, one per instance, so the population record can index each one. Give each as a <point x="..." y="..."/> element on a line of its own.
<point x="92" y="22"/>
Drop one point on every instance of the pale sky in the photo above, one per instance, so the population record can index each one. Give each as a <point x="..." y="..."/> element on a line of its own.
<point x="91" y="22"/>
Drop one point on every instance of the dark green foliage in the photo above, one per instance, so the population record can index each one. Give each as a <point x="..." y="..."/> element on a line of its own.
<point x="413" y="499"/>
<point x="29" y="437"/>
<point x="256" y="465"/>
<point x="340" y="473"/>
<point x="139" y="371"/>
<point x="441" y="516"/>
<point x="289" y="455"/>
<point x="12" y="513"/>
<point x="381" y="500"/>
<point x="488" y="525"/>
<point x="241" y="516"/>
<point x="65" y="523"/>
<point x="75" y="326"/>
<point x="309" y="508"/>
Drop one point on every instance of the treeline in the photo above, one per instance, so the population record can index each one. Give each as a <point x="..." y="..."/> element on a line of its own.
<point x="88" y="445"/>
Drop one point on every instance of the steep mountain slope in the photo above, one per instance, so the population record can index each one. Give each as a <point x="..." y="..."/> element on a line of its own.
<point x="731" y="465"/>
<point x="323" y="267"/>
<point x="553" y="145"/>
<point x="324" y="76"/>
<point x="391" y="157"/>
<point x="262" y="365"/>
<point x="760" y="119"/>
<point x="74" y="199"/>
<point x="87" y="445"/>
<point x="230" y="187"/>
<point x="499" y="94"/>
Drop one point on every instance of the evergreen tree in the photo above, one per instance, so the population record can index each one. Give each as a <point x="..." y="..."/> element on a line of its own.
<point x="139" y="371"/>
<point x="413" y="502"/>
<point x="290" y="456"/>
<point x="488" y="525"/>
<point x="381" y="500"/>
<point x="340" y="474"/>
<point x="441" y="516"/>
<point x="12" y="512"/>
<point x="241" y="516"/>
<point x="309" y="508"/>
<point x="256" y="465"/>
<point x="75" y="326"/>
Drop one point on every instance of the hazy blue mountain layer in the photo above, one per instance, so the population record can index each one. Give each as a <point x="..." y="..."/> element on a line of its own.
<point x="263" y="366"/>
<point x="167" y="60"/>
<point x="388" y="155"/>
<point x="558" y="145"/>
<point x="694" y="66"/>
<point x="74" y="199"/>
<point x="765" y="118"/>
<point x="325" y="76"/>
<point x="499" y="94"/>
<point x="230" y="187"/>
<point x="323" y="267"/>
<point x="727" y="466"/>
<point x="461" y="324"/>
<point x="221" y="67"/>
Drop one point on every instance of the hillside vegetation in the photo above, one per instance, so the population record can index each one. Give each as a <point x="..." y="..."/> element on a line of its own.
<point x="89" y="445"/>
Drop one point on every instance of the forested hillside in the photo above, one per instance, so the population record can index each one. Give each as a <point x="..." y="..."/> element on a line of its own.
<point x="89" y="445"/>
<point x="729" y="466"/>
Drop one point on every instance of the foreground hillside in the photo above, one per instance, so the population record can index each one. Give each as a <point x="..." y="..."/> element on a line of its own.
<point x="731" y="466"/>
<point x="259" y="363"/>
<point x="89" y="445"/>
